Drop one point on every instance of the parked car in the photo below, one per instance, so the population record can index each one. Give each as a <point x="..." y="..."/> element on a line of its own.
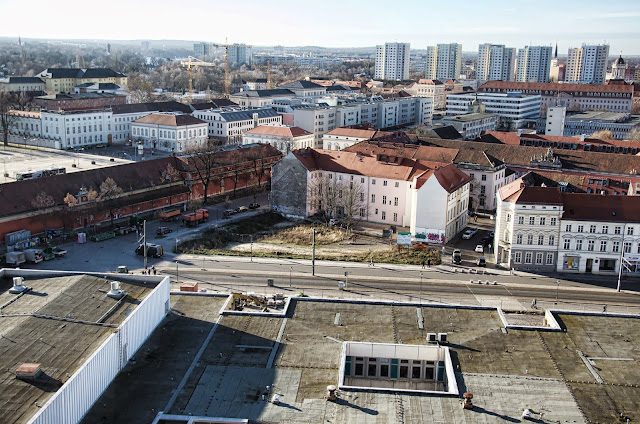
<point x="481" y="261"/>
<point x="254" y="205"/>
<point x="240" y="209"/>
<point x="486" y="241"/>
<point x="163" y="230"/>
<point x="479" y="248"/>
<point x="469" y="232"/>
<point x="457" y="256"/>
<point x="228" y="213"/>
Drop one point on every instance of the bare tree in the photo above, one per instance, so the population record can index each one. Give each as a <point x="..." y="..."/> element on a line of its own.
<point x="140" y="88"/>
<point x="324" y="190"/>
<point x="203" y="160"/>
<point x="237" y="157"/>
<point x="602" y="135"/>
<point x="258" y="155"/>
<point x="109" y="190"/>
<point x="70" y="200"/>
<point x="44" y="203"/>
<point x="352" y="200"/>
<point x="6" y="118"/>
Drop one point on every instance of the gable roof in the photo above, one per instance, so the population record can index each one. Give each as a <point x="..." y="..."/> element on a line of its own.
<point x="170" y="106"/>
<point x="448" y="132"/>
<point x="265" y="93"/>
<point x="351" y="132"/>
<point x="301" y="84"/>
<point x="213" y="104"/>
<point x="528" y="139"/>
<point x="169" y="120"/>
<point x="592" y="207"/>
<point x="22" y="80"/>
<point x="247" y="115"/>
<point x="81" y="73"/>
<point x="280" y="131"/>
<point x="451" y="178"/>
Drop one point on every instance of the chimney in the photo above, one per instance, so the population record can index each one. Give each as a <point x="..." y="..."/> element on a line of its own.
<point x="582" y="137"/>
<point x="519" y="133"/>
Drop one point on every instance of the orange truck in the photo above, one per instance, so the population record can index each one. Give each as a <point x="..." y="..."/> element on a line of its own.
<point x="169" y="214"/>
<point x="194" y="218"/>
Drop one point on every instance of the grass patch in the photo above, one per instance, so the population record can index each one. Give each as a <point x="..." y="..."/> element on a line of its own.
<point x="396" y="256"/>
<point x="302" y="234"/>
<point x="256" y="224"/>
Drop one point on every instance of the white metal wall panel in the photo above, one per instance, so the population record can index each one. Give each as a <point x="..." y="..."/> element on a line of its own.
<point x="72" y="401"/>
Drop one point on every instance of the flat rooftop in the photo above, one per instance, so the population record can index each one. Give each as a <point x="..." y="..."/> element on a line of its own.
<point x="298" y="356"/>
<point x="58" y="324"/>
<point x="470" y="117"/>
<point x="25" y="160"/>
<point x="604" y="117"/>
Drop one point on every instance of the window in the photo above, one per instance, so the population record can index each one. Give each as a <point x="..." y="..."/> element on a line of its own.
<point x="373" y="181"/>
<point x="532" y="220"/>
<point x="519" y="239"/>
<point x="376" y="212"/>
<point x="605" y="229"/>
<point x="395" y="217"/>
<point x="591" y="245"/>
<point x="549" y="259"/>
<point x="395" y="201"/>
<point x="508" y="217"/>
<point x="384" y="200"/>
<point x="581" y="228"/>
<point x="484" y="177"/>
<point x="617" y="230"/>
<point x="384" y="183"/>
<point x="530" y="239"/>
<point x="630" y="231"/>
<point x="615" y="246"/>
<point x="540" y="239"/>
<point x="567" y="244"/>
<point x="603" y="245"/>
<point x="397" y="184"/>
<point x="521" y="220"/>
<point x="373" y="198"/>
<point x="553" y="222"/>
<point x="567" y="228"/>
<point x="527" y="257"/>
<point x="627" y="247"/>
<point x="384" y="215"/>
<point x="362" y="197"/>
<point x="538" y="258"/>
<point x="543" y="220"/>
<point x="362" y="180"/>
<point x="552" y="240"/>
<point x="362" y="212"/>
<point x="578" y="244"/>
<point x="592" y="229"/>
<point x="483" y="189"/>
<point x="517" y="258"/>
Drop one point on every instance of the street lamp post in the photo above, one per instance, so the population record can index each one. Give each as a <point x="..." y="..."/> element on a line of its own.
<point x="177" y="273"/>
<point x="420" y="286"/>
<point x="346" y="278"/>
<point x="251" y="238"/>
<point x="290" y="269"/>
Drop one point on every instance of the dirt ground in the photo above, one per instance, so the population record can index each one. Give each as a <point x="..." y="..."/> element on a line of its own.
<point x="271" y="235"/>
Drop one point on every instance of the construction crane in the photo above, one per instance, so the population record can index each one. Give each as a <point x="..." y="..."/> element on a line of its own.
<point x="227" y="82"/>
<point x="190" y="63"/>
<point x="268" y="68"/>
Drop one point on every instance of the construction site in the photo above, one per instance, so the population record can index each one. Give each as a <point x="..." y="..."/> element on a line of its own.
<point x="297" y="366"/>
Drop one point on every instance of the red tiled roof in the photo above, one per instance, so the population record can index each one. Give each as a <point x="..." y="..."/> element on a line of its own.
<point x="555" y="87"/>
<point x="593" y="207"/>
<point x="349" y="132"/>
<point x="536" y="195"/>
<point x="280" y="131"/>
<point x="381" y="166"/>
<point x="513" y="139"/>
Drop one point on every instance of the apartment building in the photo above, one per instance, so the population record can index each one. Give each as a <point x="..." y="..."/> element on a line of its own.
<point x="545" y="229"/>
<point x="429" y="88"/>
<point x="534" y="64"/>
<point x="77" y="128"/>
<point x="78" y="101"/>
<point x="282" y="137"/>
<point x="495" y="62"/>
<point x="240" y="54"/>
<point x="612" y="98"/>
<point x="63" y="80"/>
<point x="228" y="125"/>
<point x="514" y="108"/>
<point x="620" y="124"/>
<point x="124" y="115"/>
<point x="444" y="61"/>
<point x="587" y="64"/>
<point x="430" y="198"/>
<point x="392" y="61"/>
<point x="471" y="125"/>
<point x="316" y="120"/>
<point x="169" y="132"/>
<point x="19" y="84"/>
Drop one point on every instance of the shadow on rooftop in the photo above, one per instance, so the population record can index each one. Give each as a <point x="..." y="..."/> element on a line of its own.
<point x="345" y="402"/>
<point x="507" y="418"/>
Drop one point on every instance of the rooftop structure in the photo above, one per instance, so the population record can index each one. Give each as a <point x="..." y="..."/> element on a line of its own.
<point x="251" y="359"/>
<point x="68" y="325"/>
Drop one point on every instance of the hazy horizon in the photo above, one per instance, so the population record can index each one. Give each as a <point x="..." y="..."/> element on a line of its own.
<point x="355" y="24"/>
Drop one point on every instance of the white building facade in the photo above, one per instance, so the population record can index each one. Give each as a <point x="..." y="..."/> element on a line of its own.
<point x="587" y="64"/>
<point x="392" y="61"/>
<point x="229" y="125"/>
<point x="282" y="137"/>
<point x="513" y="107"/>
<point x="444" y="61"/>
<point x="534" y="64"/>
<point x="495" y="62"/>
<point x="170" y="133"/>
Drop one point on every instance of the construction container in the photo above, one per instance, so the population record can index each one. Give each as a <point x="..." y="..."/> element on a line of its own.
<point x="189" y="287"/>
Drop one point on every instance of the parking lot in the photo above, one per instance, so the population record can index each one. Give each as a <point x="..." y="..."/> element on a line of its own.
<point x="467" y="247"/>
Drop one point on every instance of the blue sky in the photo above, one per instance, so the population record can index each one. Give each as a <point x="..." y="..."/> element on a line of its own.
<point x="352" y="23"/>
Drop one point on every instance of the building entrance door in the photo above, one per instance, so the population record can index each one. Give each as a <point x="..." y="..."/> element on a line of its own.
<point x="589" y="265"/>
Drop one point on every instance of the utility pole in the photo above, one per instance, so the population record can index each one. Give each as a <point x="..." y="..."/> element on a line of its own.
<point x="144" y="241"/>
<point x="621" y="260"/>
<point x="346" y="279"/>
<point x="313" y="253"/>
<point x="420" y="286"/>
<point x="290" y="269"/>
<point x="251" y="237"/>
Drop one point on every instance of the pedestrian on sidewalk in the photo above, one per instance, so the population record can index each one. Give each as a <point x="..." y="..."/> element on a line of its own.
<point x="423" y="263"/>
<point x="429" y="263"/>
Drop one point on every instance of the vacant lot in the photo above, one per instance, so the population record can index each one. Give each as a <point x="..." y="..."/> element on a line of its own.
<point x="271" y="235"/>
